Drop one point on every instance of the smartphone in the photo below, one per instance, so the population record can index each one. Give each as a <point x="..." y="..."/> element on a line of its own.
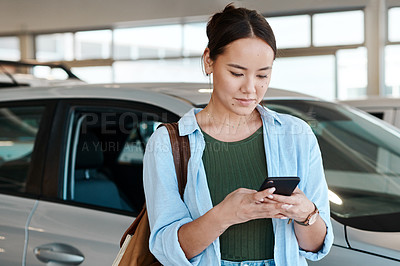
<point x="284" y="185"/>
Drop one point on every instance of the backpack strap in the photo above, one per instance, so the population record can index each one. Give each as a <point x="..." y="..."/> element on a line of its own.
<point x="181" y="153"/>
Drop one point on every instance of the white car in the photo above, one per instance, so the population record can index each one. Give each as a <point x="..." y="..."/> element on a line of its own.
<point x="71" y="170"/>
<point x="35" y="74"/>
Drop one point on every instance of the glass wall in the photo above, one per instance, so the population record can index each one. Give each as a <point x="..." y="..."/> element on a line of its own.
<point x="320" y="53"/>
<point x="160" y="53"/>
<point x="314" y="75"/>
<point x="291" y="31"/>
<point x="178" y="70"/>
<point x="352" y="74"/>
<point x="94" y="74"/>
<point x="392" y="54"/>
<point x="393" y="24"/>
<point x="9" y="48"/>
<point x="194" y="39"/>
<point x="93" y="44"/>
<point x="55" y="47"/>
<point x="392" y="70"/>
<point x="318" y="56"/>
<point x="338" y="28"/>
<point x="148" y="42"/>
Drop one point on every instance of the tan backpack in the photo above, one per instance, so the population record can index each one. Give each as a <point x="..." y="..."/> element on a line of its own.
<point x="135" y="241"/>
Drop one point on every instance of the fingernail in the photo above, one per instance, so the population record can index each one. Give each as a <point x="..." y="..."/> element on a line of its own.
<point x="271" y="190"/>
<point x="261" y="200"/>
<point x="270" y="196"/>
<point x="283" y="218"/>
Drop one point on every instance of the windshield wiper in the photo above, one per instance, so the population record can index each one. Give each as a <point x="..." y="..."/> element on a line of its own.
<point x="15" y="83"/>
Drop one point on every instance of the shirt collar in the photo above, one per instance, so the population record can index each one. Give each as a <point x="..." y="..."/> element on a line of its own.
<point x="270" y="115"/>
<point x="188" y="123"/>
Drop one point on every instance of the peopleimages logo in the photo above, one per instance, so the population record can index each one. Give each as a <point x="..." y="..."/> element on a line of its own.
<point x="106" y="146"/>
<point x="138" y="127"/>
<point x="115" y="123"/>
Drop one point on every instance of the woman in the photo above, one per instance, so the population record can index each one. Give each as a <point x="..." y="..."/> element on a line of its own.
<point x="235" y="144"/>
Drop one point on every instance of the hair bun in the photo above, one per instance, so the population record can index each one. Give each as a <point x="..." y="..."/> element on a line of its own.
<point x="229" y="7"/>
<point x="236" y="23"/>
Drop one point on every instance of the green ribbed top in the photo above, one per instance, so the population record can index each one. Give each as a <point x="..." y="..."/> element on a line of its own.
<point x="229" y="166"/>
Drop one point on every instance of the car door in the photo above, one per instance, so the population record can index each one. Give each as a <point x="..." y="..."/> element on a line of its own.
<point x="92" y="186"/>
<point x="23" y="129"/>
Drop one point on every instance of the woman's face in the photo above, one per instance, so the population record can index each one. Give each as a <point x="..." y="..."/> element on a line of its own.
<point x="241" y="75"/>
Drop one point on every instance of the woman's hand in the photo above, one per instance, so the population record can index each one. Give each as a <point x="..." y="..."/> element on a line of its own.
<point x="297" y="206"/>
<point x="244" y="204"/>
<point x="239" y="206"/>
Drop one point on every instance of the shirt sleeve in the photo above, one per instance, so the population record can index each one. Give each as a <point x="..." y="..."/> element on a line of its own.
<point x="166" y="210"/>
<point x="316" y="190"/>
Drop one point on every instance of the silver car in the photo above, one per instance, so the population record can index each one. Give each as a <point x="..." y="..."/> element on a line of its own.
<point x="71" y="170"/>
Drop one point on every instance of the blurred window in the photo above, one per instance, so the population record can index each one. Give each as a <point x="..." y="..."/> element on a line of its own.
<point x="194" y="38"/>
<point x="171" y="70"/>
<point x="9" y="48"/>
<point x="314" y="75"/>
<point x="291" y="31"/>
<point x="338" y="28"/>
<point x="94" y="74"/>
<point x="49" y="73"/>
<point x="392" y="70"/>
<point x="393" y="25"/>
<point x="352" y="72"/>
<point x="175" y="50"/>
<point x="93" y="44"/>
<point x="148" y="42"/>
<point x="18" y="130"/>
<point x="54" y="47"/>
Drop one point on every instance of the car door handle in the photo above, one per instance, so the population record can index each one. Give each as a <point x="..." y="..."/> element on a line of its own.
<point x="59" y="253"/>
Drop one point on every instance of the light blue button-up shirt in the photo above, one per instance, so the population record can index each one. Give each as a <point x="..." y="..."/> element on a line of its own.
<point x="291" y="149"/>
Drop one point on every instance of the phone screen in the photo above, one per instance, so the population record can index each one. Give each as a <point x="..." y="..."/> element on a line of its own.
<point x="284" y="185"/>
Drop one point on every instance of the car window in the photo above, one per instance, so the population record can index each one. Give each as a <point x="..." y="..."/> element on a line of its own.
<point x="133" y="149"/>
<point x="361" y="157"/>
<point x="18" y="129"/>
<point x="106" y="156"/>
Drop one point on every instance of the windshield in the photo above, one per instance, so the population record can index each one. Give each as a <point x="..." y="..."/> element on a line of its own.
<point x="361" y="156"/>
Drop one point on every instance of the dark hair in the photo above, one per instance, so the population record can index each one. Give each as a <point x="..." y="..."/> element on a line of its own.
<point x="236" y="23"/>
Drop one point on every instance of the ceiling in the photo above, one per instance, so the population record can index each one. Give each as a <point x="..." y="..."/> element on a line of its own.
<point x="19" y="16"/>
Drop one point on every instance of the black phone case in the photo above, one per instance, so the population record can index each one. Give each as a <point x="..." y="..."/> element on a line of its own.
<point x="284" y="185"/>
